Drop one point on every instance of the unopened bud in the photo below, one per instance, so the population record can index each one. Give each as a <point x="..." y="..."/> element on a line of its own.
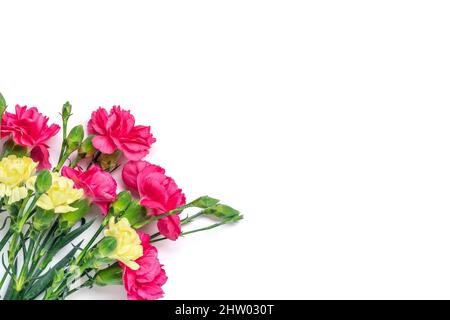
<point x="136" y="215"/>
<point x="121" y="204"/>
<point x="223" y="211"/>
<point x="75" y="138"/>
<point x="43" y="182"/>
<point x="43" y="219"/>
<point x="204" y="202"/>
<point x="109" y="276"/>
<point x="87" y="149"/>
<point x="66" y="110"/>
<point x="106" y="247"/>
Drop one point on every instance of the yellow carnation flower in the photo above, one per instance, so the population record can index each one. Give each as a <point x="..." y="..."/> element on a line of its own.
<point x="60" y="195"/>
<point x="14" y="172"/>
<point x="129" y="246"/>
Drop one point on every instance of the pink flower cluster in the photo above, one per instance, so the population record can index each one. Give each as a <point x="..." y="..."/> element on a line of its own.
<point x="145" y="283"/>
<point x="113" y="131"/>
<point x="98" y="185"/>
<point x="158" y="192"/>
<point x="29" y="128"/>
<point x="117" y="131"/>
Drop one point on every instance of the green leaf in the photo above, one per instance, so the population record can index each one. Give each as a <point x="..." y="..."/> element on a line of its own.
<point x="64" y="241"/>
<point x="46" y="280"/>
<point x="5" y="239"/>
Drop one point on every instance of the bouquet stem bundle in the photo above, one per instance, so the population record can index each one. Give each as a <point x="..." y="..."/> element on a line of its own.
<point x="45" y="210"/>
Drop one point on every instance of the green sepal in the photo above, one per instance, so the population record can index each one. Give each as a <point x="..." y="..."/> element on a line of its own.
<point x="75" y="138"/>
<point x="109" y="276"/>
<point x="105" y="247"/>
<point x="109" y="162"/>
<point x="121" y="204"/>
<point x="43" y="219"/>
<point x="43" y="181"/>
<point x="87" y="149"/>
<point x="136" y="215"/>
<point x="66" y="111"/>
<point x="10" y="148"/>
<point x="68" y="219"/>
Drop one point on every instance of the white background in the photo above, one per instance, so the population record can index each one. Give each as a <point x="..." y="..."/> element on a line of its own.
<point x="327" y="123"/>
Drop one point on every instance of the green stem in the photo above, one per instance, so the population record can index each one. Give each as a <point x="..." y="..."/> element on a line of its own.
<point x="61" y="161"/>
<point x="183" y="222"/>
<point x="22" y="219"/>
<point x="215" y="225"/>
<point x="52" y="295"/>
<point x="92" y="240"/>
<point x="36" y="257"/>
<point x="23" y="273"/>
<point x="168" y="213"/>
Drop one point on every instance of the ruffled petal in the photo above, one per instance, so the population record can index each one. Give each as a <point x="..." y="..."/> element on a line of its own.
<point x="40" y="154"/>
<point x="104" y="144"/>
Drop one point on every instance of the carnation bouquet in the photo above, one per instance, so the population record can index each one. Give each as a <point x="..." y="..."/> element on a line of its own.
<point x="46" y="249"/>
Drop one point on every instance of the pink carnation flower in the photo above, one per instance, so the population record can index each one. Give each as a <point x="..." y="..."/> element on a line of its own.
<point x="97" y="185"/>
<point x="146" y="282"/>
<point x="29" y="128"/>
<point x="159" y="194"/>
<point x="116" y="131"/>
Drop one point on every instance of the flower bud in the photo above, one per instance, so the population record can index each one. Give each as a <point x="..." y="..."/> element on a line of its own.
<point x="204" y="202"/>
<point x="106" y="247"/>
<point x="43" y="181"/>
<point x="102" y="252"/>
<point x="43" y="219"/>
<point x="75" y="138"/>
<point x="66" y="110"/>
<point x="2" y="105"/>
<point x="87" y="149"/>
<point x="68" y="219"/>
<point x="136" y="215"/>
<point x="109" y="276"/>
<point x="121" y="204"/>
<point x="223" y="211"/>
